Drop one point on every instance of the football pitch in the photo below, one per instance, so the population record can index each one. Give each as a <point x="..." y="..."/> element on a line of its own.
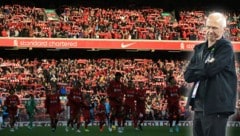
<point x="94" y="131"/>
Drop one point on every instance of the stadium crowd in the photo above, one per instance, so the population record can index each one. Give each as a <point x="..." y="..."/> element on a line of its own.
<point x="108" y="23"/>
<point x="32" y="76"/>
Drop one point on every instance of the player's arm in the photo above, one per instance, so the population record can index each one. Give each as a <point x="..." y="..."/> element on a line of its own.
<point x="109" y="89"/>
<point x="18" y="101"/>
<point x="70" y="96"/>
<point x="166" y="94"/>
<point x="35" y="106"/>
<point x="46" y="102"/>
<point x="7" y="103"/>
<point x="110" y="93"/>
<point x="179" y="93"/>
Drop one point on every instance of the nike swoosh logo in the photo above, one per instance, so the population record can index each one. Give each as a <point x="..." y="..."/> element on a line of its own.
<point x="123" y="45"/>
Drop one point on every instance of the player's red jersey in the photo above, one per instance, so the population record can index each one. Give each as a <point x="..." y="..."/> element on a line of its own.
<point x="172" y="95"/>
<point x="141" y="99"/>
<point x="115" y="93"/>
<point x="75" y="97"/>
<point x="75" y="100"/>
<point x="101" y="112"/>
<point x="130" y="96"/>
<point x="53" y="104"/>
<point x="86" y="109"/>
<point x="12" y="101"/>
<point x="52" y="100"/>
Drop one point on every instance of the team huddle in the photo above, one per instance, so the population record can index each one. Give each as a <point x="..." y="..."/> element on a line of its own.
<point x="122" y="102"/>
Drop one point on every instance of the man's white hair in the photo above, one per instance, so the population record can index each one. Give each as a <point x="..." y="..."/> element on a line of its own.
<point x="219" y="17"/>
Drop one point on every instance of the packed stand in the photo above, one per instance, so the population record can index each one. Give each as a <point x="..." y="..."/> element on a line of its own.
<point x="108" y="23"/>
<point x="32" y="77"/>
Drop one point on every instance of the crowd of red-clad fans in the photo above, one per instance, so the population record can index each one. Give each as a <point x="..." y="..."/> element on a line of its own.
<point x="109" y="23"/>
<point x="32" y="77"/>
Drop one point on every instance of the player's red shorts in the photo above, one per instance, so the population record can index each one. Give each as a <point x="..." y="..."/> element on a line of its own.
<point x="53" y="111"/>
<point x="86" y="113"/>
<point x="101" y="117"/>
<point x="141" y="108"/>
<point x="129" y="108"/>
<point x="114" y="105"/>
<point x="12" y="112"/>
<point x="74" y="110"/>
<point x="173" y="109"/>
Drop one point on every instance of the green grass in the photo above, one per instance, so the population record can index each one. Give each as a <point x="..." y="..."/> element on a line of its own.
<point x="94" y="131"/>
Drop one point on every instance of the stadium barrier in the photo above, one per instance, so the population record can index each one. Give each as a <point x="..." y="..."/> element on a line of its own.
<point x="60" y="43"/>
<point x="128" y="123"/>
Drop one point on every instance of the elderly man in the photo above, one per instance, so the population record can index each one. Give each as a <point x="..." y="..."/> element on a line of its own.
<point x="212" y="70"/>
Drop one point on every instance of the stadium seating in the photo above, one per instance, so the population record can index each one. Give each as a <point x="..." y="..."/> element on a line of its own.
<point x="108" y="23"/>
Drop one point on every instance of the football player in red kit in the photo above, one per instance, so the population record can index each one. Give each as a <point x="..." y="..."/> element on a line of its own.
<point x="53" y="106"/>
<point x="115" y="95"/>
<point x="75" y="102"/>
<point x="12" y="102"/>
<point x="140" y="107"/>
<point x="173" y="97"/>
<point x="101" y="114"/>
<point x="130" y="102"/>
<point x="86" y="111"/>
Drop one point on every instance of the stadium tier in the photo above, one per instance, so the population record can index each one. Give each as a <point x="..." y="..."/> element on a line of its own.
<point x="80" y="21"/>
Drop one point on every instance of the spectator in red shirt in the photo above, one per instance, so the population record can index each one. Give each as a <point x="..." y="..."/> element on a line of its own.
<point x="4" y="33"/>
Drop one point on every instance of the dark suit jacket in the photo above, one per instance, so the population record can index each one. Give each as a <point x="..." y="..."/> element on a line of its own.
<point x="219" y="87"/>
